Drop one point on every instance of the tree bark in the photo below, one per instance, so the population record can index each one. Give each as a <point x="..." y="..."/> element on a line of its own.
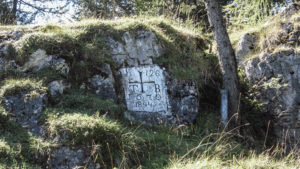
<point x="14" y="12"/>
<point x="226" y="57"/>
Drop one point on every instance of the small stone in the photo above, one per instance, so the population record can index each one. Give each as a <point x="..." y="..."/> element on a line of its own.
<point x="61" y="66"/>
<point x="83" y="86"/>
<point x="57" y="88"/>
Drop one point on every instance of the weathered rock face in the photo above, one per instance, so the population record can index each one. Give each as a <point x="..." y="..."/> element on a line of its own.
<point x="245" y="46"/>
<point x="183" y="100"/>
<point x="103" y="84"/>
<point x="10" y="35"/>
<point x="138" y="49"/>
<point x="26" y="109"/>
<point x="150" y="94"/>
<point x="145" y="94"/>
<point x="290" y="10"/>
<point x="5" y="61"/>
<point x="276" y="78"/>
<point x="66" y="157"/>
<point x="40" y="60"/>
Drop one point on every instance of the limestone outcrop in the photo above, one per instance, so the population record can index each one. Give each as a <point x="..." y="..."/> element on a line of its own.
<point x="274" y="76"/>
<point x="276" y="80"/>
<point x="103" y="84"/>
<point x="26" y="109"/>
<point x="144" y="85"/>
<point x="136" y="49"/>
<point x="66" y="157"/>
<point x="246" y="44"/>
<point x="148" y="90"/>
<point x="40" y="60"/>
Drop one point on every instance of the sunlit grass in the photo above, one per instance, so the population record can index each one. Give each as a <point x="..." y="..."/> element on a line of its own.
<point x="220" y="154"/>
<point x="18" y="86"/>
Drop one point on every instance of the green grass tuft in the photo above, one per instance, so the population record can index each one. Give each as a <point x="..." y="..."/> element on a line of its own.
<point x="90" y="103"/>
<point x="112" y="140"/>
<point x="18" y="86"/>
<point x="20" y="149"/>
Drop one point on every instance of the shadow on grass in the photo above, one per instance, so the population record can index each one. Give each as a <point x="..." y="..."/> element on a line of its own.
<point x="19" y="148"/>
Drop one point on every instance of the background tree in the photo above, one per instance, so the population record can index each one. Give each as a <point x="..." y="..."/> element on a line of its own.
<point x="25" y="11"/>
<point x="103" y="8"/>
<point x="226" y="57"/>
<point x="254" y="10"/>
<point x="4" y="13"/>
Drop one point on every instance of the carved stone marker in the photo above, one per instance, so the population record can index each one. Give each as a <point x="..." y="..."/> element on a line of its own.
<point x="145" y="89"/>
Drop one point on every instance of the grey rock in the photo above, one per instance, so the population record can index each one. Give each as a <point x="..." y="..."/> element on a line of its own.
<point x="116" y="48"/>
<point x="184" y="101"/>
<point x="253" y="70"/>
<point x="26" y="109"/>
<point x="57" y="88"/>
<point x="12" y="35"/>
<point x="71" y="158"/>
<point x="103" y="84"/>
<point x="276" y="77"/>
<point x="37" y="61"/>
<point x="188" y="109"/>
<point x="246" y="44"/>
<point x="119" y="60"/>
<point x="286" y="28"/>
<point x="40" y="60"/>
<point x="83" y="86"/>
<point x="290" y="10"/>
<point x="6" y="63"/>
<point x="138" y="49"/>
<point x="61" y="66"/>
<point x="153" y="97"/>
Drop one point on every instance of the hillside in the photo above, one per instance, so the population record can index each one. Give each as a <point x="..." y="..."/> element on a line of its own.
<point x="127" y="93"/>
<point x="61" y="84"/>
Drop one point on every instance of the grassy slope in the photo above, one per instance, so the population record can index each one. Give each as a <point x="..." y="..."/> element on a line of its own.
<point x="90" y="121"/>
<point x="267" y="33"/>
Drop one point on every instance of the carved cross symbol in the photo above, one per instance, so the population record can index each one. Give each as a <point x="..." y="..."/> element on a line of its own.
<point x="141" y="82"/>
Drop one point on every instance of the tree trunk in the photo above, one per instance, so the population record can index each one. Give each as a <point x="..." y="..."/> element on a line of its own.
<point x="227" y="59"/>
<point x="14" y="12"/>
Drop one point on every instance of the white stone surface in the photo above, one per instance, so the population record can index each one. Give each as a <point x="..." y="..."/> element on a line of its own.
<point x="38" y="60"/>
<point x="145" y="89"/>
